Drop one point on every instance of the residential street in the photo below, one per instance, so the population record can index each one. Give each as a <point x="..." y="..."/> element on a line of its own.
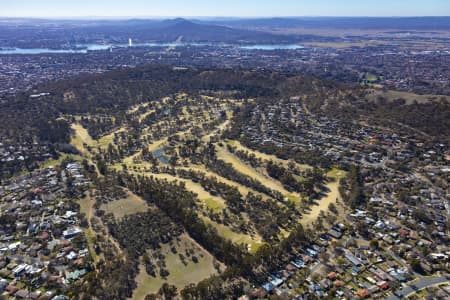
<point x="424" y="282"/>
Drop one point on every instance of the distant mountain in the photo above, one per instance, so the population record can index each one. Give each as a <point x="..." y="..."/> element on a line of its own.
<point x="189" y="31"/>
<point x="380" y="23"/>
<point x="141" y="30"/>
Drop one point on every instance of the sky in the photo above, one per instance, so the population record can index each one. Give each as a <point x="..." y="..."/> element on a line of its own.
<point x="216" y="8"/>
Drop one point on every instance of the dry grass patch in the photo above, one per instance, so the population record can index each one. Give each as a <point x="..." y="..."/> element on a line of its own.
<point x="80" y="138"/>
<point x="180" y="274"/>
<point x="331" y="197"/>
<point x="104" y="141"/>
<point x="57" y="162"/>
<point x="410" y="98"/>
<point x="87" y="208"/>
<point x="252" y="243"/>
<point x="132" y="204"/>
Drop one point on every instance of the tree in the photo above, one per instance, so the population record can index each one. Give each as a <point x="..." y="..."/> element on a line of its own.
<point x="374" y="244"/>
<point x="416" y="266"/>
<point x="168" y="291"/>
<point x="324" y="257"/>
<point x="332" y="207"/>
<point x="101" y="165"/>
<point x="362" y="229"/>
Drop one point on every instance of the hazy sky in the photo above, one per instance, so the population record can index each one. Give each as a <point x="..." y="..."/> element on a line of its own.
<point x="251" y="8"/>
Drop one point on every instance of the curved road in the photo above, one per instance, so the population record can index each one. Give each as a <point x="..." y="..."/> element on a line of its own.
<point x="424" y="282"/>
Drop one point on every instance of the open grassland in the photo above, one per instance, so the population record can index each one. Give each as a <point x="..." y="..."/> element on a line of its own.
<point x="371" y="77"/>
<point x="252" y="243"/>
<point x="81" y="138"/>
<point x="410" y="98"/>
<point x="344" y="45"/>
<point x="180" y="274"/>
<point x="104" y="141"/>
<point x="156" y="145"/>
<point x="132" y="204"/>
<point x="62" y="157"/>
<point x="87" y="208"/>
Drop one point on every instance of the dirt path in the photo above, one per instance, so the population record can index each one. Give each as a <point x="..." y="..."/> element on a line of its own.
<point x="87" y="207"/>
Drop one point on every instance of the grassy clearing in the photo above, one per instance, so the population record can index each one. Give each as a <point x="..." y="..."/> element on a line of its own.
<point x="86" y="207"/>
<point x="253" y="244"/>
<point x="330" y="197"/>
<point x="104" y="141"/>
<point x="57" y="162"/>
<point x="409" y="97"/>
<point x="180" y="274"/>
<point x="156" y="145"/>
<point x="336" y="174"/>
<point x="344" y="45"/>
<point x="80" y="138"/>
<point x="132" y="204"/>
<point x="371" y="77"/>
<point x="90" y="238"/>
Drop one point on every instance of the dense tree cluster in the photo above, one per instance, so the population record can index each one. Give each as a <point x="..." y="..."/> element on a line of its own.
<point x="351" y="188"/>
<point x="142" y="231"/>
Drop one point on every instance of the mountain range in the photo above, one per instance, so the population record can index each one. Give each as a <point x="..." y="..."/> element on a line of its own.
<point x="59" y="33"/>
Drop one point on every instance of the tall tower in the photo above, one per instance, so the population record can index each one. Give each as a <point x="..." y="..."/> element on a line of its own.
<point x="130" y="42"/>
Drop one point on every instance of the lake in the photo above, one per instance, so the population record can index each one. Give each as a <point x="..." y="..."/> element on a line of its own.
<point x="160" y="155"/>
<point x="83" y="49"/>
<point x="272" y="47"/>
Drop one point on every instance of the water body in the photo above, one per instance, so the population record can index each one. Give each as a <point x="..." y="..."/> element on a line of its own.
<point x="160" y="155"/>
<point x="272" y="47"/>
<point x="40" y="51"/>
<point x="83" y="49"/>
